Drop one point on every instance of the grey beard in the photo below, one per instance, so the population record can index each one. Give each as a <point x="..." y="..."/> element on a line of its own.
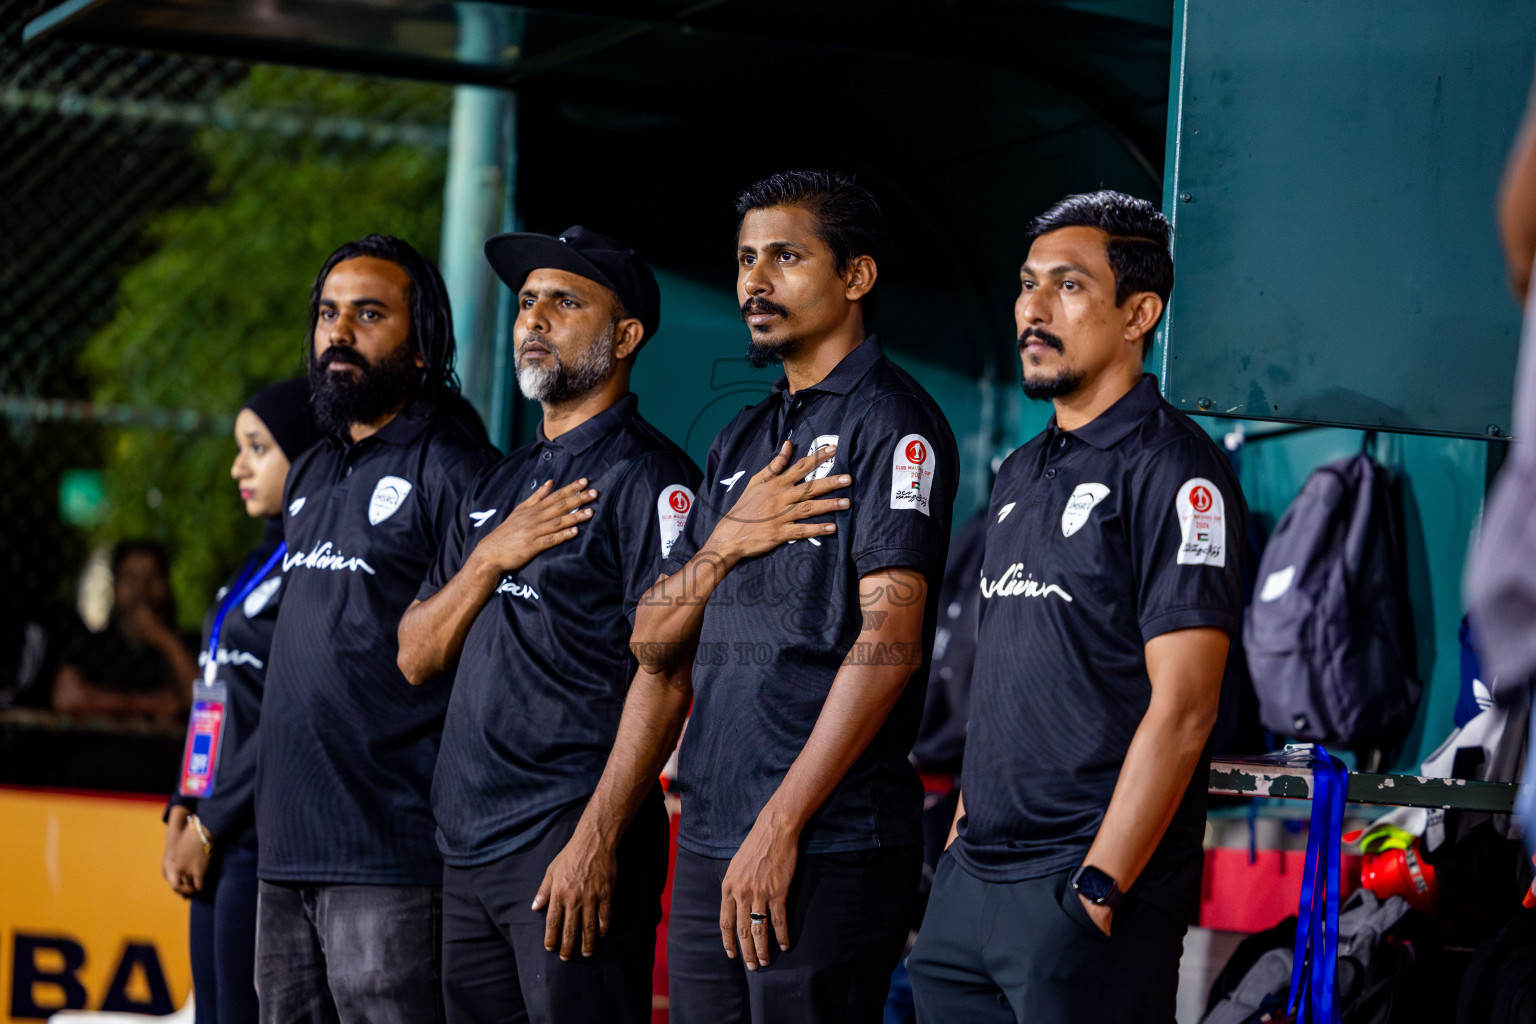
<point x="559" y="384"/>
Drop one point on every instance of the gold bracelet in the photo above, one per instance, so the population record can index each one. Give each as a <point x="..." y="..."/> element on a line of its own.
<point x="202" y="833"/>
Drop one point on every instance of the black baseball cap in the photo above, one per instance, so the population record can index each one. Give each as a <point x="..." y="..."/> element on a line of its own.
<point x="613" y="265"/>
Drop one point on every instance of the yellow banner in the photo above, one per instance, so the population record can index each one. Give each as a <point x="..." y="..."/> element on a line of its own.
<point x="88" y="921"/>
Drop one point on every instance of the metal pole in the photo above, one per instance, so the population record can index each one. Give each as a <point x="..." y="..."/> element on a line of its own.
<point x="472" y="199"/>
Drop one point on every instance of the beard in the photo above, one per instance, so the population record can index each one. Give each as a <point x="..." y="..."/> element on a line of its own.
<point x="558" y="384"/>
<point x="760" y="354"/>
<point x="342" y="399"/>
<point x="1061" y="384"/>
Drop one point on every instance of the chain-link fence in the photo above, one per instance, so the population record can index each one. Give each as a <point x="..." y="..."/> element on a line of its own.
<point x="161" y="218"/>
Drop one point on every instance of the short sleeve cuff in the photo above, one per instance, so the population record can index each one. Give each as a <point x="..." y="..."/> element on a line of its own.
<point x="896" y="558"/>
<point x="670" y="566"/>
<point x="426" y="590"/>
<point x="1191" y="618"/>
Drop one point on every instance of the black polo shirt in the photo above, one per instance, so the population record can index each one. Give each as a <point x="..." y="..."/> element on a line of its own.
<point x="545" y="668"/>
<point x="779" y="626"/>
<point x="347" y="745"/>
<point x="1098" y="540"/>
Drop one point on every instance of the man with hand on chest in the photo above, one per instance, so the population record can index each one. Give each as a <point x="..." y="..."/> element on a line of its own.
<point x="1111" y="587"/>
<point x="792" y="613"/>
<point x="533" y="596"/>
<point x="349" y="902"/>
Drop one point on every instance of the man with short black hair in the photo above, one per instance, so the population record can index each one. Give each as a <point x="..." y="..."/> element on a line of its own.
<point x="1111" y="587"/>
<point x="533" y="595"/>
<point x="349" y="909"/>
<point x="792" y="618"/>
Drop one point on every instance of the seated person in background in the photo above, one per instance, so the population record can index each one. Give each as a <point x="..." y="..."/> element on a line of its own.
<point x="139" y="664"/>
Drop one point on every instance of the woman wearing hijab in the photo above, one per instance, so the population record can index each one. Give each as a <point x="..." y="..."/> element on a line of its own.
<point x="210" y="842"/>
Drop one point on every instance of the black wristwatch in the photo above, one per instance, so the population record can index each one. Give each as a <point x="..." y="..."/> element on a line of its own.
<point x="1097" y="887"/>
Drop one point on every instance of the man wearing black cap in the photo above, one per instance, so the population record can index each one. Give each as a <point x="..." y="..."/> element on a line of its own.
<point x="349" y="898"/>
<point x="533" y="595"/>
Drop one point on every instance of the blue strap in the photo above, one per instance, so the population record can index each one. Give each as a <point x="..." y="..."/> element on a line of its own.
<point x="1304" y="910"/>
<point x="1315" y="963"/>
<point x="237" y="593"/>
<point x="1327" y="994"/>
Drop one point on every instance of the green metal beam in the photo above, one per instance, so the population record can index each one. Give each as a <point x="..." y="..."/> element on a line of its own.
<point x="1233" y="777"/>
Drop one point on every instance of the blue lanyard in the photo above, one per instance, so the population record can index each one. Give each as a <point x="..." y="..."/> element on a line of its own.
<point x="237" y="593"/>
<point x="1315" y="964"/>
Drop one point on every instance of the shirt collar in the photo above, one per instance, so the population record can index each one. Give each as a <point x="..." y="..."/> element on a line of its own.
<point x="1111" y="426"/>
<point x="845" y="374"/>
<point x="581" y="437"/>
<point x="404" y="428"/>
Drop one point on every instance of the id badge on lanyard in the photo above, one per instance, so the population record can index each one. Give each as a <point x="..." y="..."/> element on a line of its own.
<point x="205" y="737"/>
<point x="210" y="697"/>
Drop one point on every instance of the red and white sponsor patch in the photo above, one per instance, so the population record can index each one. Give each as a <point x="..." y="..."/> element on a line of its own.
<point x="1202" y="523"/>
<point x="912" y="466"/>
<point x="672" y="506"/>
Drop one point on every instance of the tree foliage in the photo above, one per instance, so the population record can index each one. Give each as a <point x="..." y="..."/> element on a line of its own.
<point x="300" y="162"/>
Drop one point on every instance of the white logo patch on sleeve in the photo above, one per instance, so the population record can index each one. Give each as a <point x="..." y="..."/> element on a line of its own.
<point x="1084" y="498"/>
<point x="1277" y="583"/>
<point x="912" y="465"/>
<point x="388" y="495"/>
<point x="1202" y="521"/>
<point x="1002" y="513"/>
<point x="672" y="506"/>
<point x="258" y="598"/>
<point x="294" y="506"/>
<point x="822" y="441"/>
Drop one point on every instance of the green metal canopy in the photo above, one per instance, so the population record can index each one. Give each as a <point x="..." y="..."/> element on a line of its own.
<point x="967" y="118"/>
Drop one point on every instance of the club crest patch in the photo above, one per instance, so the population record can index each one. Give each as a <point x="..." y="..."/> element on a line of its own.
<point x="912" y="466"/>
<point x="257" y="599"/>
<point x="388" y="495"/>
<point x="672" y="506"/>
<point x="1202" y="522"/>
<point x="822" y="441"/>
<point x="1084" y="498"/>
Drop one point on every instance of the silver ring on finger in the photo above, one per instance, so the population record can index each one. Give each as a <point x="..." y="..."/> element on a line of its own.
<point x="758" y="918"/>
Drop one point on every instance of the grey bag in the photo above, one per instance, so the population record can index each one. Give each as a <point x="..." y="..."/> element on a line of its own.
<point x="1328" y="636"/>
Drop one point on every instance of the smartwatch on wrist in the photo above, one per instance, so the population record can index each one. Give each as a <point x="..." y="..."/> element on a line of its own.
<point x="1097" y="887"/>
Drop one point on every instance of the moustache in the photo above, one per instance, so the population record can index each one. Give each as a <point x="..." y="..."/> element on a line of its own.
<point x="338" y="354"/>
<point x="1030" y="333"/>
<point x="756" y="305"/>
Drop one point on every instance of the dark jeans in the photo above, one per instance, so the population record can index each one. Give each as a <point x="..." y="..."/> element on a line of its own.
<point x="495" y="967"/>
<point x="222" y="931"/>
<point x="349" y="953"/>
<point x="849" y="914"/>
<point x="1028" y="953"/>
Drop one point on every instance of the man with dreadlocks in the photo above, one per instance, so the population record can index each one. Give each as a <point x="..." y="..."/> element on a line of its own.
<point x="350" y="905"/>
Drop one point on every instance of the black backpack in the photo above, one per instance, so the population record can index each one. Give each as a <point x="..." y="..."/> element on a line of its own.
<point x="1328" y="636"/>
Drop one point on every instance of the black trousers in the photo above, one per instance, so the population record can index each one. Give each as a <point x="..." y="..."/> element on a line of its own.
<point x="849" y="914"/>
<point x="222" y="930"/>
<point x="495" y="966"/>
<point x="1028" y="953"/>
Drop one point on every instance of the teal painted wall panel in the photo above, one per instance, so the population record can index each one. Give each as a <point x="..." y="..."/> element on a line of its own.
<point x="1331" y="175"/>
<point x="1442" y="485"/>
